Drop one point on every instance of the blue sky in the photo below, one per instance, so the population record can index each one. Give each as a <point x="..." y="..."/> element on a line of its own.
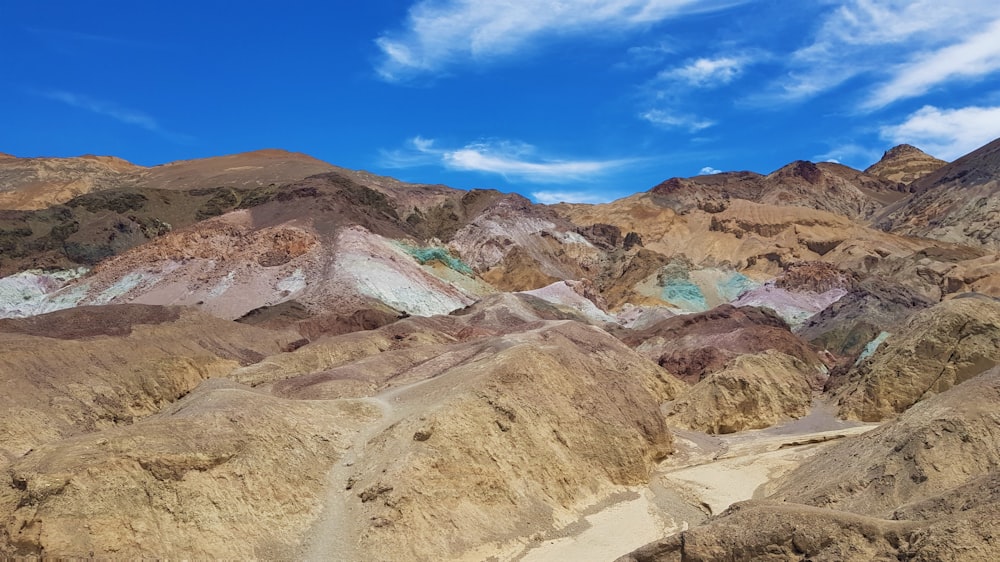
<point x="580" y="100"/>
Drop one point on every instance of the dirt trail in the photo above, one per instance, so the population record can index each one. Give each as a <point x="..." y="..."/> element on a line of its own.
<point x="333" y="535"/>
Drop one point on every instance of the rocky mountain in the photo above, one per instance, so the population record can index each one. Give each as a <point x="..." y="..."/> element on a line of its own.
<point x="825" y="186"/>
<point x="266" y="356"/>
<point x="905" y="164"/>
<point x="956" y="203"/>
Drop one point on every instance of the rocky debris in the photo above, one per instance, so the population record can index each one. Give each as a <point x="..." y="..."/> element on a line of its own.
<point x="695" y="345"/>
<point x="904" y="164"/>
<point x="211" y="476"/>
<point x="111" y="365"/>
<point x="937" y="348"/>
<point x="752" y="391"/>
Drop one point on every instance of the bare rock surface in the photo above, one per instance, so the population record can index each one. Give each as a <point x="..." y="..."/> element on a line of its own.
<point x="694" y="346"/>
<point x="211" y="476"/>
<point x="937" y="348"/>
<point x="872" y="305"/>
<point x="753" y="391"/>
<point x="892" y="493"/>
<point x="956" y="203"/>
<point x="909" y="459"/>
<point x="91" y="368"/>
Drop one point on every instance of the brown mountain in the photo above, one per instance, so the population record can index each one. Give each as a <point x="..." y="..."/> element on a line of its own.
<point x="824" y="186"/>
<point x="905" y="164"/>
<point x="957" y="203"/>
<point x="37" y="183"/>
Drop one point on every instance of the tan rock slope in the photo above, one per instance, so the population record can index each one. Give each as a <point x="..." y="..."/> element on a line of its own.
<point x="937" y="348"/>
<point x="477" y="429"/>
<point x="750" y="392"/>
<point x="90" y="368"/>
<point x="211" y="476"/>
<point x="894" y="493"/>
<point x="37" y="183"/>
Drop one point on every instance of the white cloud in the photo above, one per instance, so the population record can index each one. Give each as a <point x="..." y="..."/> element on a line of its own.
<point x="978" y="55"/>
<point x="676" y="121"/>
<point x="438" y="33"/>
<point x="112" y="110"/>
<point x="910" y="46"/>
<point x="553" y="197"/>
<point x="507" y="158"/>
<point x="124" y="115"/>
<point x="947" y="133"/>
<point x="709" y="171"/>
<point x="850" y="154"/>
<point x="705" y="72"/>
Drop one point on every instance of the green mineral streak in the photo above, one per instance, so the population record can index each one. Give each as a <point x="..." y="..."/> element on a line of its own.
<point x="735" y="285"/>
<point x="684" y="294"/>
<point x="871" y="347"/>
<point x="427" y="255"/>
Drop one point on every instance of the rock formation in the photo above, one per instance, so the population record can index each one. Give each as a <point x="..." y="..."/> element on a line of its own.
<point x="266" y="356"/>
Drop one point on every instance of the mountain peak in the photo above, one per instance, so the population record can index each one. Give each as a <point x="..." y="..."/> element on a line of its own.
<point x="905" y="163"/>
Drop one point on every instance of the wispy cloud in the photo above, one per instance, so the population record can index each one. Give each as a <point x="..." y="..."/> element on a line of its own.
<point x="114" y="111"/>
<point x="671" y="120"/>
<point x="553" y="197"/>
<point x="709" y="171"/>
<point x="906" y="47"/>
<point x="976" y="56"/>
<point x="439" y="33"/>
<point x="946" y="133"/>
<point x="707" y="72"/>
<point x="510" y="159"/>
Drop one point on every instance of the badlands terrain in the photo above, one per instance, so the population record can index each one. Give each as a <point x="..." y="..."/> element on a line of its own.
<point x="265" y="356"/>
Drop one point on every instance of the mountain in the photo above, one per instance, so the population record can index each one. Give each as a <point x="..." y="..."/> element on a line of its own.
<point x="957" y="203"/>
<point x="263" y="355"/>
<point x="38" y="183"/>
<point x="825" y="186"/>
<point x="905" y="164"/>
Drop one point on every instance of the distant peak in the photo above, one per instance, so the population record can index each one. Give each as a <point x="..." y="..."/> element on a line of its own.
<point x="802" y="169"/>
<point x="5" y="155"/>
<point x="904" y="163"/>
<point x="112" y="161"/>
<point x="903" y="150"/>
